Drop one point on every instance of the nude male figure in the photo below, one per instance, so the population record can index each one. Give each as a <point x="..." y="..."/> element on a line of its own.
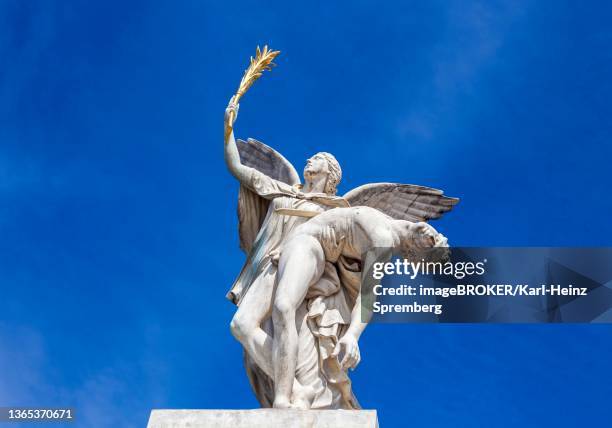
<point x="348" y="232"/>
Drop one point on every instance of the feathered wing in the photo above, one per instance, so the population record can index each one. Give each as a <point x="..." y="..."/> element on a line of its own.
<point x="252" y="208"/>
<point x="402" y="201"/>
<point x="265" y="159"/>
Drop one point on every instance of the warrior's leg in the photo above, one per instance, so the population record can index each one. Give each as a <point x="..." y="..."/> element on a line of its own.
<point x="246" y="324"/>
<point x="302" y="263"/>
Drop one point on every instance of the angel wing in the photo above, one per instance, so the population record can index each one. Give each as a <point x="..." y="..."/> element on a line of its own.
<point x="265" y="159"/>
<point x="252" y="208"/>
<point x="402" y="201"/>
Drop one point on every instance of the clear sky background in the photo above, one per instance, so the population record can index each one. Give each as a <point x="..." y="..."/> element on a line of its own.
<point x="118" y="229"/>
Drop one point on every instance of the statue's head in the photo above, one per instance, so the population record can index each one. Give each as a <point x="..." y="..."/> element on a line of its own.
<point x="324" y="163"/>
<point x="421" y="241"/>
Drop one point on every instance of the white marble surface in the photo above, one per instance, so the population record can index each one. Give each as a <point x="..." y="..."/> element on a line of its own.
<point x="263" y="418"/>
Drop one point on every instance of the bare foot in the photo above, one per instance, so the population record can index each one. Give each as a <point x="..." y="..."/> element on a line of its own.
<point x="302" y="396"/>
<point x="282" y="403"/>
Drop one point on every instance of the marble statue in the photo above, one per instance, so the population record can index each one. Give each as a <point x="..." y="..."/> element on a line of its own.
<point x="340" y="232"/>
<point x="298" y="296"/>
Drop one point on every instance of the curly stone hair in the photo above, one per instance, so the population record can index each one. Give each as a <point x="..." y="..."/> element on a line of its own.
<point x="335" y="173"/>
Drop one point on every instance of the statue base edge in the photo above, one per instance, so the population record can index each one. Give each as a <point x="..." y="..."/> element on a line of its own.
<point x="262" y="418"/>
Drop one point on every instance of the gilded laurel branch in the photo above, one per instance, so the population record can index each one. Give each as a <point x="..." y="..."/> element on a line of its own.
<point x="262" y="61"/>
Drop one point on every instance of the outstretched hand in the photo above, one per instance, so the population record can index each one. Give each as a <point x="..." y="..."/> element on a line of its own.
<point x="349" y="346"/>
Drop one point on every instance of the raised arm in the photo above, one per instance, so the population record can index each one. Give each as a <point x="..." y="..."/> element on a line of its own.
<point x="232" y="156"/>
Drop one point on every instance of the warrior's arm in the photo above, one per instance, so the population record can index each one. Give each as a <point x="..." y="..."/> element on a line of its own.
<point x="377" y="238"/>
<point x="232" y="156"/>
<point x="377" y="245"/>
<point x="360" y="317"/>
<point x="349" y="342"/>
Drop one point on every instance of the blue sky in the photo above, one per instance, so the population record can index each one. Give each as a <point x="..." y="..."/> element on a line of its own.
<point x="118" y="225"/>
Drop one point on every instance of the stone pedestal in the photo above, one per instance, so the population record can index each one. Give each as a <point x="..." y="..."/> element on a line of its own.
<point x="263" y="418"/>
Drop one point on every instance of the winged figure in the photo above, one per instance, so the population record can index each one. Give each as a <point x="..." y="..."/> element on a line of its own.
<point x="400" y="201"/>
<point x="272" y="203"/>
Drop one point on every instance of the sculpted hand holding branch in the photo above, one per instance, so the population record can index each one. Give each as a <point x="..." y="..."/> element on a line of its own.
<point x="298" y="294"/>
